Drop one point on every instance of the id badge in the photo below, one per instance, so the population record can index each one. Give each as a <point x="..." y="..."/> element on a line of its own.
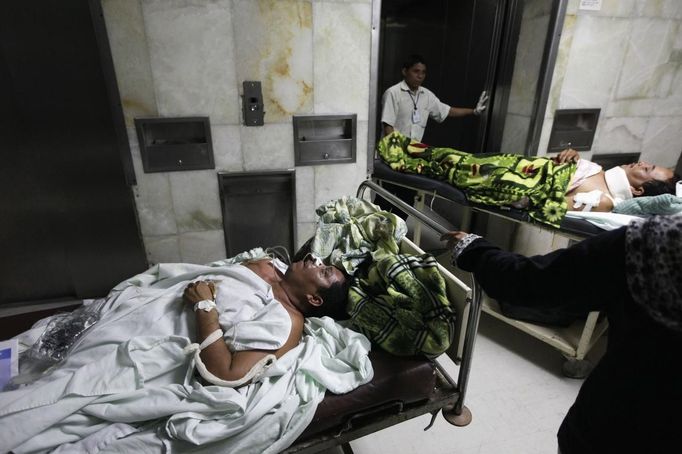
<point x="415" y="117"/>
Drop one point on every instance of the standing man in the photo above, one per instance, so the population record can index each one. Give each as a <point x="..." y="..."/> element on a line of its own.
<point x="407" y="106"/>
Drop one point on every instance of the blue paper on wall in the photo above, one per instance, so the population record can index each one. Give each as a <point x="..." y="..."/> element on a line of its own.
<point x="9" y="361"/>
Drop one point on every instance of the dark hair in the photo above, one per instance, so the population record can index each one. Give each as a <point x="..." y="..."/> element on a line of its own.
<point x="413" y="60"/>
<point x="334" y="299"/>
<point x="658" y="187"/>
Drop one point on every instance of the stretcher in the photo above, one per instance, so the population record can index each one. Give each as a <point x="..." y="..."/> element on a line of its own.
<point x="403" y="387"/>
<point x="574" y="341"/>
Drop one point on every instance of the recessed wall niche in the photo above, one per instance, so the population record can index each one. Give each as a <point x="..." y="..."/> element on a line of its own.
<point x="174" y="144"/>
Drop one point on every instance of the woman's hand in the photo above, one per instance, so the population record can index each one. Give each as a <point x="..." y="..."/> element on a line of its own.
<point x="198" y="291"/>
<point x="567" y="155"/>
<point x="453" y="238"/>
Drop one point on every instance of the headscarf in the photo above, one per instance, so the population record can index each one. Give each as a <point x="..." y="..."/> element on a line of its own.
<point x="653" y="259"/>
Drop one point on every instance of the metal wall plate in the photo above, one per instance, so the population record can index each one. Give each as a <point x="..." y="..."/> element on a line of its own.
<point x="174" y="144"/>
<point x="324" y="139"/>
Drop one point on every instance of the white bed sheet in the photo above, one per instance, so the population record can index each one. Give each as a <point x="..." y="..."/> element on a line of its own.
<point x="130" y="368"/>
<point x="606" y="221"/>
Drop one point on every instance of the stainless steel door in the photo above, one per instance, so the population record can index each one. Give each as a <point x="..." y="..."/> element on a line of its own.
<point x="68" y="226"/>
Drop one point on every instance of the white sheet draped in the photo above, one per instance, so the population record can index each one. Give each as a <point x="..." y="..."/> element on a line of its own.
<point x="129" y="369"/>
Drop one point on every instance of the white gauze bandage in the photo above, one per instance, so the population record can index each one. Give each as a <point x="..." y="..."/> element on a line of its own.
<point x="255" y="373"/>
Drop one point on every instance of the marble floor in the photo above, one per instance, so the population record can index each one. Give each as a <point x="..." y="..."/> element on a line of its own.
<point x="517" y="395"/>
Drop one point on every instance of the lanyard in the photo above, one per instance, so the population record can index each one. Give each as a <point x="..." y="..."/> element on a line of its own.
<point x="414" y="101"/>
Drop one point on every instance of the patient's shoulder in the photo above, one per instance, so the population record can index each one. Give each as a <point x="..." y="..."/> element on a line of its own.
<point x="263" y="268"/>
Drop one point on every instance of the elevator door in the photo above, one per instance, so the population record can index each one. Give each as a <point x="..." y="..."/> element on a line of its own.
<point x="459" y="41"/>
<point x="68" y="226"/>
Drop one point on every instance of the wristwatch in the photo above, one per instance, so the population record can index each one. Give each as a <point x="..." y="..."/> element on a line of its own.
<point x="205" y="305"/>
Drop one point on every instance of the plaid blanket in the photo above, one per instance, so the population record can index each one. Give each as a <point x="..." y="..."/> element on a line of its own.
<point x="400" y="304"/>
<point x="535" y="184"/>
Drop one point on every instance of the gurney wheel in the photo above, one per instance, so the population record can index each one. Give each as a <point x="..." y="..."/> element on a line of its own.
<point x="459" y="420"/>
<point x="576" y="368"/>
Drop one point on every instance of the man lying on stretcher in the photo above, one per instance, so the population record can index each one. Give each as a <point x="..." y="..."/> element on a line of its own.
<point x="601" y="190"/>
<point x="544" y="187"/>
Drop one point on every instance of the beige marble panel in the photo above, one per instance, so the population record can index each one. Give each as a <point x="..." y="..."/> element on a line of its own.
<point x="202" y="247"/>
<point x="620" y="135"/>
<point x="671" y="105"/>
<point x="128" y="42"/>
<point x="342" y="57"/>
<point x="152" y="196"/>
<point x="595" y="61"/>
<point x="304" y="231"/>
<point x="227" y="148"/>
<point x="305" y="194"/>
<point x="630" y="108"/>
<point x="660" y="8"/>
<point x="162" y="249"/>
<point x="192" y="58"/>
<point x="565" y="44"/>
<point x="646" y="62"/>
<point x="154" y="205"/>
<point x="269" y="147"/>
<point x="273" y="42"/>
<point x="196" y="200"/>
<point x="663" y="141"/>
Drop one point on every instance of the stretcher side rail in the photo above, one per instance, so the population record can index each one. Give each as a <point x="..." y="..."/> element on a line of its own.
<point x="447" y="395"/>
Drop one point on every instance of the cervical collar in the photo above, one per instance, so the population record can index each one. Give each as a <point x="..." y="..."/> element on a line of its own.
<point x="618" y="184"/>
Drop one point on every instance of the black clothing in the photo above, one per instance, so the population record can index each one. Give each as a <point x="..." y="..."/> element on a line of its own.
<point x="632" y="400"/>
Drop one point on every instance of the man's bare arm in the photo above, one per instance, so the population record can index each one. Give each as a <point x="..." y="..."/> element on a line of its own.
<point x="217" y="357"/>
<point x="387" y="129"/>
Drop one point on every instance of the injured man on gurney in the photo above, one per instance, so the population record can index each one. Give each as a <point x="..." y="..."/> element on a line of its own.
<point x="233" y="356"/>
<point x="128" y="384"/>
<point x="545" y="187"/>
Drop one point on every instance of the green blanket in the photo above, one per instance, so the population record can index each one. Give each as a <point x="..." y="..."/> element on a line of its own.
<point x="351" y="230"/>
<point x="535" y="184"/>
<point x="400" y="303"/>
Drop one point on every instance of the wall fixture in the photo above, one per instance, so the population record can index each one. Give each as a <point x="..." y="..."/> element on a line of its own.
<point x="172" y="144"/>
<point x="573" y="128"/>
<point x="324" y="139"/>
<point x="252" y="104"/>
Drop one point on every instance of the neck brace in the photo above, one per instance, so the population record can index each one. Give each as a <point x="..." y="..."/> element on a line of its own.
<point x="618" y="184"/>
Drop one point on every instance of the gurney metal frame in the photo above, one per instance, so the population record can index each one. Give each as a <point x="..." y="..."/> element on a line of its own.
<point x="449" y="394"/>
<point x="573" y="342"/>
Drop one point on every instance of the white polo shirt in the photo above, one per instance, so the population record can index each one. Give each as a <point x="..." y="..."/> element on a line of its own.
<point x="398" y="105"/>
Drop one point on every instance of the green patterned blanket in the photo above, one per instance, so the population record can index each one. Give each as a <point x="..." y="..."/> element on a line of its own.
<point x="535" y="184"/>
<point x="400" y="303"/>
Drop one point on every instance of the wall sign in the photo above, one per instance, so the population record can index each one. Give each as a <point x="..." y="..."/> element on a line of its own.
<point x="591" y="5"/>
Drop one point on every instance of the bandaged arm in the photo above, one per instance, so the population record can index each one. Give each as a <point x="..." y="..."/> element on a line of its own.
<point x="216" y="363"/>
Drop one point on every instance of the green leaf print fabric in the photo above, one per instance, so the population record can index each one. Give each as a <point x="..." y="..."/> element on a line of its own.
<point x="401" y="304"/>
<point x="535" y="184"/>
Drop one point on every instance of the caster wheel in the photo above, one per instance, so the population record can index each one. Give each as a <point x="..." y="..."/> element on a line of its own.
<point x="576" y="368"/>
<point x="460" y="420"/>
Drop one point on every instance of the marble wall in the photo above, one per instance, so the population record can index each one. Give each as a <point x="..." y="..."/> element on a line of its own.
<point x="627" y="60"/>
<point x="190" y="57"/>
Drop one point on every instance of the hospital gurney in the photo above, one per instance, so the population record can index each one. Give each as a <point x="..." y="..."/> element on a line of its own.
<point x="574" y="341"/>
<point x="403" y="387"/>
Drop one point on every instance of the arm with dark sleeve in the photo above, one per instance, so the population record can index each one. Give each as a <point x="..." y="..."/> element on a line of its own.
<point x="589" y="274"/>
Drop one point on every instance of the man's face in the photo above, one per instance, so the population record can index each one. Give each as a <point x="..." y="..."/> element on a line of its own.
<point x="415" y="75"/>
<point x="309" y="278"/>
<point x="641" y="172"/>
